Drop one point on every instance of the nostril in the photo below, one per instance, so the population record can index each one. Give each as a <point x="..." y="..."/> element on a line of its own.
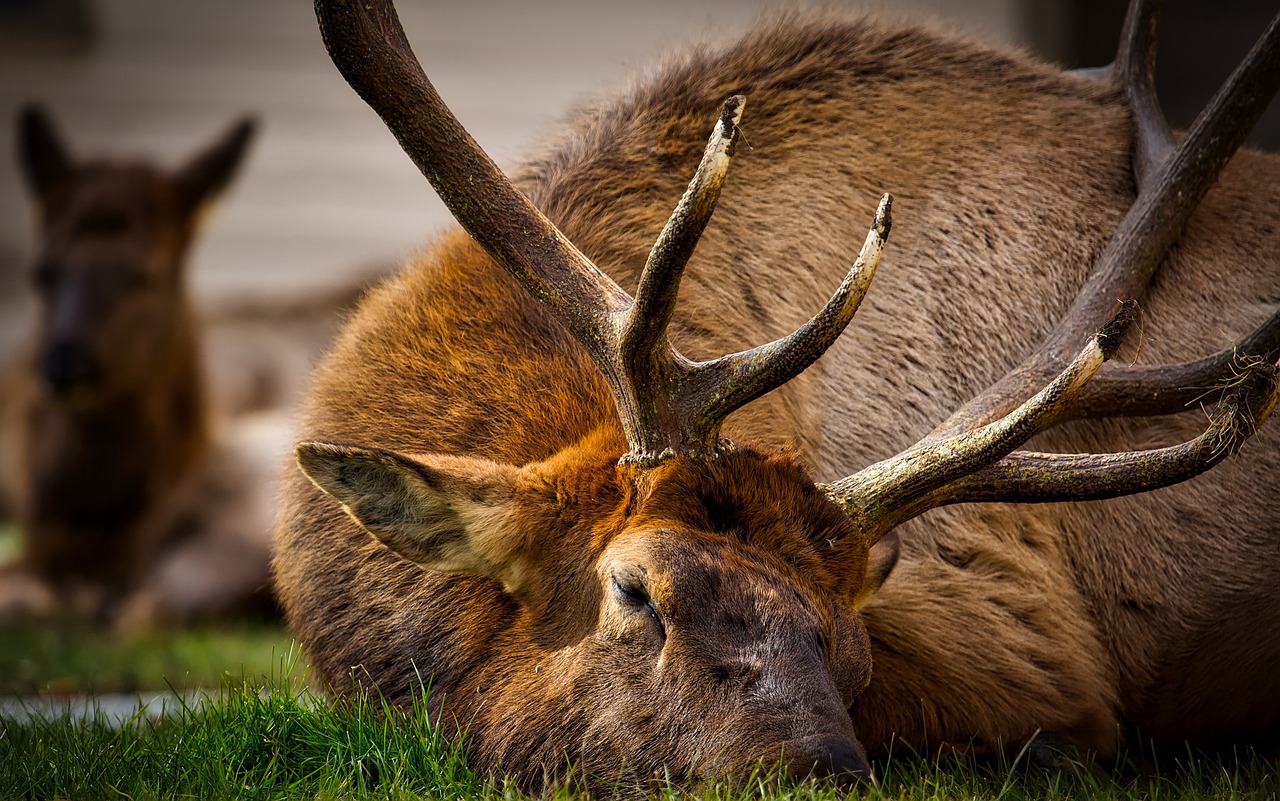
<point x="835" y="757"/>
<point x="65" y="365"/>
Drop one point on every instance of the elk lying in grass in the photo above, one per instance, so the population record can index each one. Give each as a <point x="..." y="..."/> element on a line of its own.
<point x="131" y="512"/>
<point x="589" y="556"/>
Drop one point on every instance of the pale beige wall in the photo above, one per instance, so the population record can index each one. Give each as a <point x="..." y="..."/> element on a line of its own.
<point x="327" y="192"/>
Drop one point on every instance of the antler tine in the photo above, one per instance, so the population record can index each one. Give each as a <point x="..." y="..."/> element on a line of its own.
<point x="1148" y="229"/>
<point x="1135" y="67"/>
<point x="1158" y="215"/>
<point x="732" y="381"/>
<point x="1027" y="477"/>
<point x="369" y="47"/>
<point x="1120" y="391"/>
<point x="969" y="457"/>
<point x="888" y="494"/>
<point x="700" y="395"/>
<point x="644" y="351"/>
<point x="878" y="494"/>
<point x="647" y="321"/>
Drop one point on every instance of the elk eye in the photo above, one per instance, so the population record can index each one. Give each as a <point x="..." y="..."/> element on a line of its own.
<point x="635" y="595"/>
<point x="45" y="276"/>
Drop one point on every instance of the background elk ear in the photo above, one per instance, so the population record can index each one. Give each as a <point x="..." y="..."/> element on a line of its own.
<point x="202" y="179"/>
<point x="881" y="560"/>
<point x="44" y="159"/>
<point x="442" y="512"/>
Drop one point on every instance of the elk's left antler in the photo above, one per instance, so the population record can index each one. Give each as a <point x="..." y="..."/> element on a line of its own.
<point x="667" y="404"/>
<point x="970" y="456"/>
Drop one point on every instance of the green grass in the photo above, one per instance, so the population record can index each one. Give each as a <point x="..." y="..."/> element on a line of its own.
<point x="10" y="543"/>
<point x="288" y="744"/>
<point x="71" y="658"/>
<point x="260" y="734"/>
<point x="246" y="744"/>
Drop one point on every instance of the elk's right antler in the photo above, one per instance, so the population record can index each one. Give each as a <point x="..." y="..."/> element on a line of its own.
<point x="667" y="403"/>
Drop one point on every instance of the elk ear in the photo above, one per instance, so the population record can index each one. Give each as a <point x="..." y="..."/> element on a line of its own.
<point x="881" y="560"/>
<point x="202" y="179"/>
<point x="45" y="160"/>
<point x="445" y="513"/>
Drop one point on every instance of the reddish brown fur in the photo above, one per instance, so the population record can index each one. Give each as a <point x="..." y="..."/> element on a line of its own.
<point x="119" y="472"/>
<point x="998" y="622"/>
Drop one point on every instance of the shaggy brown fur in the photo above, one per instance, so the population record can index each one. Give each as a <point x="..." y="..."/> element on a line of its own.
<point x="131" y="513"/>
<point x="740" y="630"/>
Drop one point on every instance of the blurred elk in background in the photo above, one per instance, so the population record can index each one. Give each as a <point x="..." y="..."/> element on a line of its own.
<point x="590" y="548"/>
<point x="134" y="509"/>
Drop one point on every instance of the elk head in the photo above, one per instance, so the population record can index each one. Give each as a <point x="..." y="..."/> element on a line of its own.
<point x="685" y="618"/>
<point x="109" y="273"/>
<point x="682" y="603"/>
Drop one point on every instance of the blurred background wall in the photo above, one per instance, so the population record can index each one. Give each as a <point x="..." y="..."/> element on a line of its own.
<point x="328" y="197"/>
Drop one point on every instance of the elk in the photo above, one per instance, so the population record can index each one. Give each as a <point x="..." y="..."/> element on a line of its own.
<point x="594" y="540"/>
<point x="133" y="512"/>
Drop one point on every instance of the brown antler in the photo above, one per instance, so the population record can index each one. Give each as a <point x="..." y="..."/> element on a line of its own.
<point x="1135" y="67"/>
<point x="667" y="403"/>
<point x="1147" y="230"/>
<point x="1127" y="391"/>
<point x="1122" y="391"/>
<point x="969" y="457"/>
<point x="1025" y="476"/>
<point x="976" y="466"/>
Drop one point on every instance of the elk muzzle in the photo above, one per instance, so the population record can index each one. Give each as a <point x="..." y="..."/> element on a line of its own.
<point x="66" y="366"/>
<point x="840" y="758"/>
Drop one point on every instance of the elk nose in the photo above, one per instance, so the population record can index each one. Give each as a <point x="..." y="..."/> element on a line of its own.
<point x="64" y="365"/>
<point x="836" y="757"/>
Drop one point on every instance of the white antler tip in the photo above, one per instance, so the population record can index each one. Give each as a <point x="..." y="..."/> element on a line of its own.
<point x="731" y="115"/>
<point x="884" y="216"/>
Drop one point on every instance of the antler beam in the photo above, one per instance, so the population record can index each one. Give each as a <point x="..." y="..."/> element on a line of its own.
<point x="368" y="45"/>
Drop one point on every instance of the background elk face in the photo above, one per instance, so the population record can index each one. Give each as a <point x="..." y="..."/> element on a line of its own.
<point x="109" y="275"/>
<point x="693" y="619"/>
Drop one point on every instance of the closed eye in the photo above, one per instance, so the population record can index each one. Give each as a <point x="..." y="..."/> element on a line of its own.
<point x="637" y="597"/>
<point x="633" y="594"/>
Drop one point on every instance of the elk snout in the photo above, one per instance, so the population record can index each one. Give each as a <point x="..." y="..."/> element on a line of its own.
<point x="66" y="365"/>
<point x="839" y="758"/>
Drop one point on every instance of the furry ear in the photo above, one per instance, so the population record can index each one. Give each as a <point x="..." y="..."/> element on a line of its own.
<point x="446" y="513"/>
<point x="203" y="178"/>
<point x="881" y="560"/>
<point x="44" y="158"/>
